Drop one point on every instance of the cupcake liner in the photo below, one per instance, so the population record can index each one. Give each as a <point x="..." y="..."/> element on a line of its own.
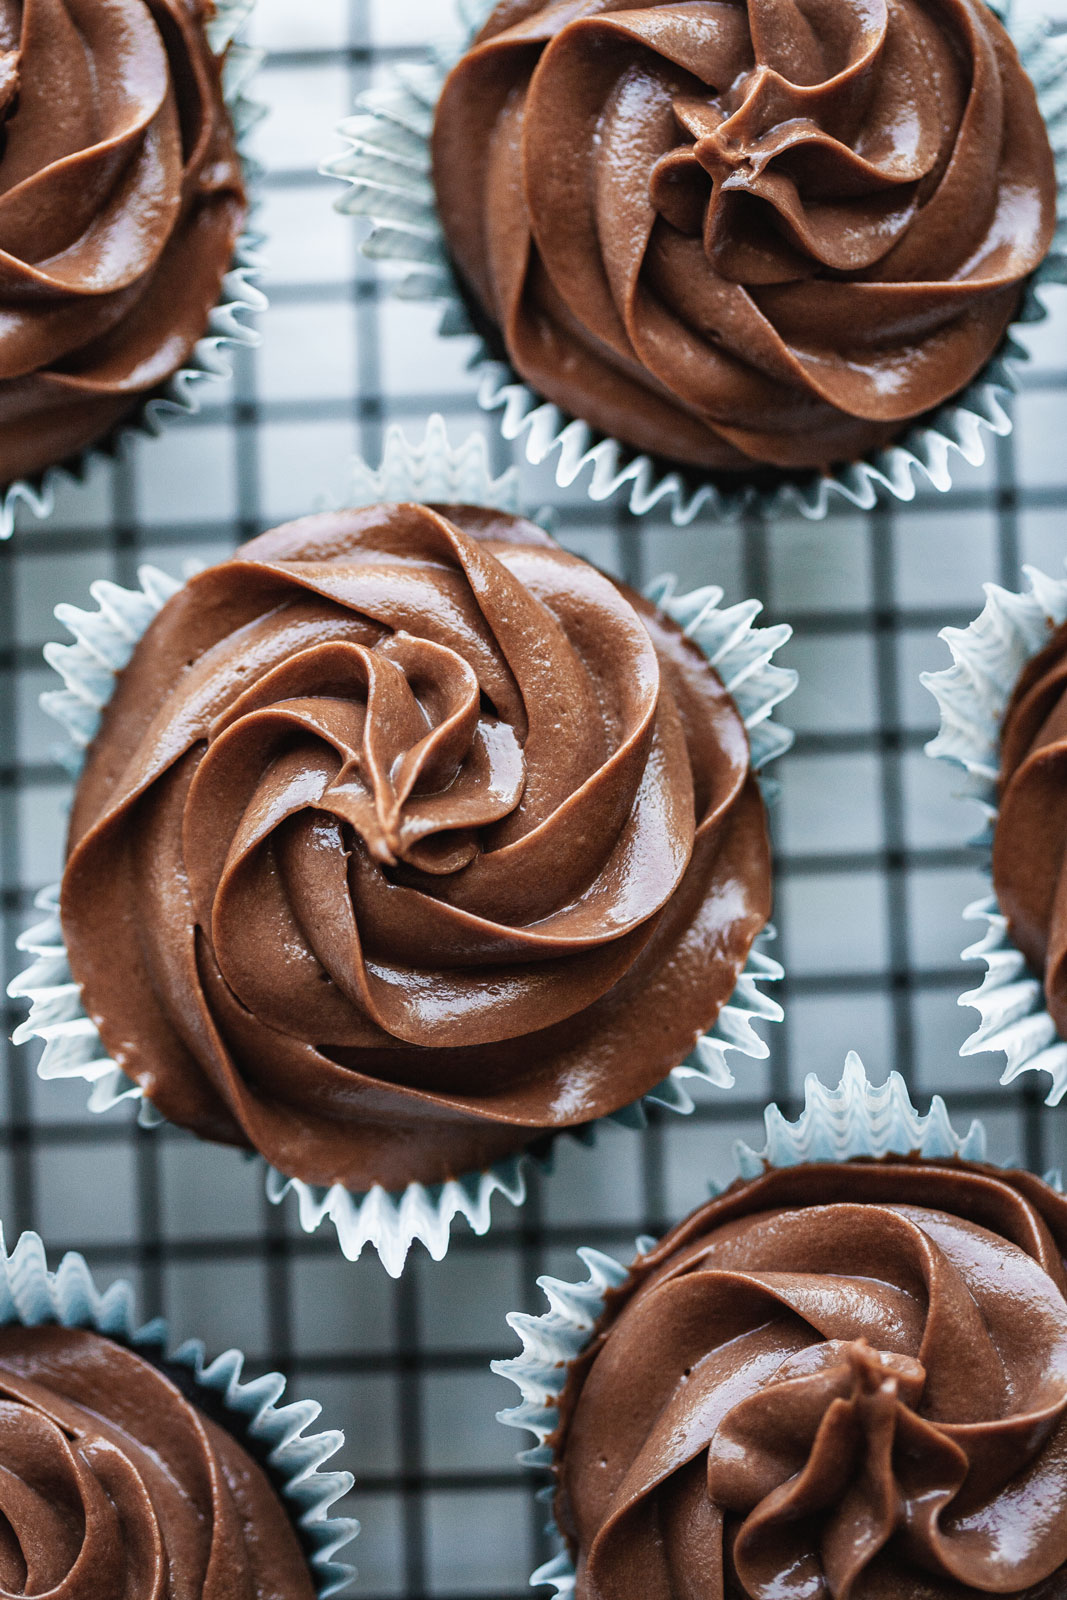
<point x="387" y="163"/>
<point x="390" y="1222"/>
<point x="238" y="297"/>
<point x="856" y="1119"/>
<point x="973" y="695"/>
<point x="277" y="1435"/>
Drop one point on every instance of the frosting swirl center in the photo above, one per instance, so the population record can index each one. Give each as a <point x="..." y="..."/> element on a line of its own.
<point x="813" y="1447"/>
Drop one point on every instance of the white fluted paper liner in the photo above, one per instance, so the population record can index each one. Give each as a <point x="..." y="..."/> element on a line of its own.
<point x="105" y="638"/>
<point x="973" y="695"/>
<point x="239" y="297"/>
<point x="387" y="163"/>
<point x="856" y="1119"/>
<point x="31" y="1295"/>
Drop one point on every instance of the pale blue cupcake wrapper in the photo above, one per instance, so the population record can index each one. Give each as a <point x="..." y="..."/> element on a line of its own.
<point x="31" y="1295"/>
<point x="387" y="165"/>
<point x="227" y="329"/>
<point x="854" y="1120"/>
<point x="104" y="642"/>
<point x="973" y="695"/>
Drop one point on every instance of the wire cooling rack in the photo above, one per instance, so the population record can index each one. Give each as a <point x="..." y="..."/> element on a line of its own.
<point x="873" y="864"/>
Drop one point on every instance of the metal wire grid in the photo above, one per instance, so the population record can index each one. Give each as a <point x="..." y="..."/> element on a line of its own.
<point x="872" y="862"/>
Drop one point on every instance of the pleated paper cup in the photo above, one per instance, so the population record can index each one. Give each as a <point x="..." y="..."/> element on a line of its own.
<point x="227" y="329"/>
<point x="857" y="1119"/>
<point x="973" y="695"/>
<point x="387" y="164"/>
<point x="742" y="655"/>
<point x="278" y="1436"/>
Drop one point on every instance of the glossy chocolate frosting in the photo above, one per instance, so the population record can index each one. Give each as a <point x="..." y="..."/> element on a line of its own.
<point x="1030" y="841"/>
<point x="729" y="233"/>
<point x="841" y="1382"/>
<point x="121" y="200"/>
<point x="114" y="1487"/>
<point x="407" y="837"/>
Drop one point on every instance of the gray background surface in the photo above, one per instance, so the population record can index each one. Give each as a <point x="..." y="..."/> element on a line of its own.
<point x="873" y="865"/>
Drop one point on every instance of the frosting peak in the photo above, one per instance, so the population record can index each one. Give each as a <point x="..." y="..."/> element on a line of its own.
<point x="408" y="837"/>
<point x="769" y="232"/>
<point x="833" y="1383"/>
<point x="819" y="1442"/>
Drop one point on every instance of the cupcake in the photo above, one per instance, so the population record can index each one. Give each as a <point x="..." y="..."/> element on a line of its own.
<point x="1030" y="840"/>
<point x="405" y="842"/>
<point x="838" y="1378"/>
<point x="406" y="839"/>
<point x="126" y="1487"/>
<point x="1004" y="719"/>
<point x="748" y="245"/>
<point x="128" y="1476"/>
<point x="740" y="239"/>
<point x="123" y="202"/>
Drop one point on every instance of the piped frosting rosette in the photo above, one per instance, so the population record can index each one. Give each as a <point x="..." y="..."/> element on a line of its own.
<point x="126" y="262"/>
<point x="527" y="892"/>
<point x="1002" y="704"/>
<point x="845" y="1375"/>
<point x="804" y="259"/>
<point x="128" y="1468"/>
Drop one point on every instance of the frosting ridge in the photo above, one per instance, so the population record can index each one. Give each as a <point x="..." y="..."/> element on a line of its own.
<point x="413" y="837"/>
<point x="738" y="234"/>
<point x="846" y="1381"/>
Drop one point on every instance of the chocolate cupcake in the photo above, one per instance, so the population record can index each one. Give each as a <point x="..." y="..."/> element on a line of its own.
<point x="128" y="1475"/>
<point x="837" y="1378"/>
<point x="122" y="204"/>
<point x="1030" y="841"/>
<point x="775" y="254"/>
<point x="117" y="1484"/>
<point x="749" y="237"/>
<point x="406" y="841"/>
<point x="1004" y="719"/>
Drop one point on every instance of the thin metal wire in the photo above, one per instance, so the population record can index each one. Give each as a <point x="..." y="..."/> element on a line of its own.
<point x="445" y="1510"/>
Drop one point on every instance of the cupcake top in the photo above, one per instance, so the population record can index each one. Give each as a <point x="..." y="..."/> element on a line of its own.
<point x="113" y="1484"/>
<point x="1030" y="841"/>
<point x="121" y="200"/>
<point x="836" y="1380"/>
<point x="407" y="837"/>
<point x="750" y="234"/>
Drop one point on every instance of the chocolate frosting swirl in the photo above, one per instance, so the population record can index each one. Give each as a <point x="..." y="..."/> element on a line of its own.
<point x="728" y="233"/>
<point x="844" y="1381"/>
<point x="121" y="200"/>
<point x="1030" y="841"/>
<point x="114" y="1487"/>
<point x="407" y="837"/>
